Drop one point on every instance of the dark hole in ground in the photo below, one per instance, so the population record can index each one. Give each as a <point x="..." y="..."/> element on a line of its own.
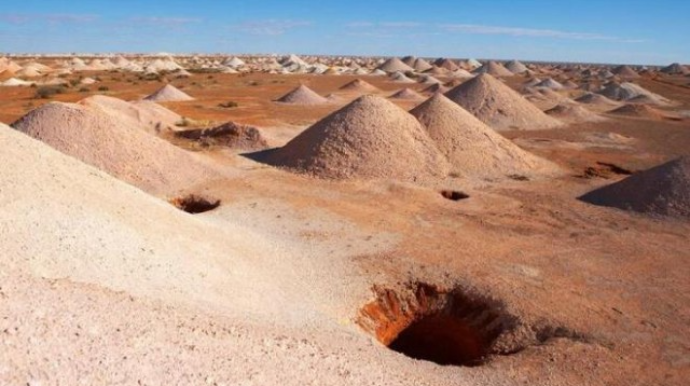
<point x="442" y="339"/>
<point x="454" y="195"/>
<point x="445" y="327"/>
<point x="604" y="170"/>
<point x="615" y="168"/>
<point x="518" y="177"/>
<point x="195" y="204"/>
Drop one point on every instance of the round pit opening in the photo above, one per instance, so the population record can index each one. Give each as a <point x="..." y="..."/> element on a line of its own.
<point x="442" y="339"/>
<point x="194" y="204"/>
<point x="454" y="195"/>
<point x="448" y="327"/>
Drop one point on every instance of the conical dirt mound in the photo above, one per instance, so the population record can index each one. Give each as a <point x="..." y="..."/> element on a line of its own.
<point x="550" y="84"/>
<point x="400" y="78"/>
<point x="596" y="99"/>
<point x="499" y="106"/>
<point x="394" y="65"/>
<point x="406" y="93"/>
<point x="625" y="72"/>
<point x="516" y="67"/>
<point x="302" y="95"/>
<point x="168" y="93"/>
<point x="446" y="63"/>
<point x="627" y="90"/>
<point x="639" y="111"/>
<point x="361" y="86"/>
<point x="675" y="69"/>
<point x="662" y="190"/>
<point x="493" y="68"/>
<point x="573" y="113"/>
<point x="369" y="138"/>
<point x="471" y="147"/>
<point x="421" y="65"/>
<point x="115" y="145"/>
<point x="436" y="88"/>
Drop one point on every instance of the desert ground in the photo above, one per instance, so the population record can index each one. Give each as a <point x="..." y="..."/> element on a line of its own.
<point x="241" y="234"/>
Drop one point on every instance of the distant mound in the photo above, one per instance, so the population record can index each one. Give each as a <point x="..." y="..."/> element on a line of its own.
<point x="146" y="114"/>
<point x="361" y="86"/>
<point x="516" y="67"/>
<point x="302" y="95"/>
<point x="627" y="90"/>
<point x="393" y="65"/>
<point x="428" y="79"/>
<point x="116" y="146"/>
<point x="400" y="78"/>
<point x="421" y="65"/>
<point x="436" y="88"/>
<point x="625" y="72"/>
<point x="369" y="138"/>
<point x="493" y="68"/>
<point x="596" y="99"/>
<point x="471" y="147"/>
<point x="499" y="106"/>
<point x="574" y="113"/>
<point x="438" y="71"/>
<point x="169" y="93"/>
<point x="550" y="84"/>
<point x="640" y="111"/>
<point x="675" y="69"/>
<point x="662" y="190"/>
<point x="446" y="63"/>
<point x="406" y="93"/>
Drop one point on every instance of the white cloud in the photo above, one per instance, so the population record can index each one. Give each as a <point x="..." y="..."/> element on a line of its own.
<point x="359" y="24"/>
<point x="270" y="27"/>
<point x="400" y="24"/>
<point x="53" y="18"/>
<point x="164" y="21"/>
<point x="384" y="24"/>
<point x="531" y="32"/>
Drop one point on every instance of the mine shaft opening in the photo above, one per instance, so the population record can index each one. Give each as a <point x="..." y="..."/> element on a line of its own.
<point x="454" y="195"/>
<point x="447" y="327"/>
<point x="442" y="339"/>
<point x="195" y="204"/>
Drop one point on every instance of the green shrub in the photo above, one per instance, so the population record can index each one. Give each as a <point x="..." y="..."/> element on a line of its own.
<point x="47" y="92"/>
<point x="103" y="88"/>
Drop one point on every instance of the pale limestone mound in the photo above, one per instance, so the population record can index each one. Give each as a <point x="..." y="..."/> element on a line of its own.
<point x="117" y="146"/>
<point x="394" y="65"/>
<point x="302" y="95"/>
<point x="572" y="113"/>
<point x="661" y="190"/>
<point x="493" y="68"/>
<point x="516" y="67"/>
<point x="169" y="93"/>
<point x="499" y="106"/>
<point x="406" y="93"/>
<point x="472" y="148"/>
<point x="369" y="138"/>
<point x="361" y="86"/>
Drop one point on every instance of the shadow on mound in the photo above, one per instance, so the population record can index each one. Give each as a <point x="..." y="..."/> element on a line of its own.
<point x="261" y="156"/>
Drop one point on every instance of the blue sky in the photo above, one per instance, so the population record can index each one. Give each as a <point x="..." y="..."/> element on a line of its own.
<point x="613" y="31"/>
